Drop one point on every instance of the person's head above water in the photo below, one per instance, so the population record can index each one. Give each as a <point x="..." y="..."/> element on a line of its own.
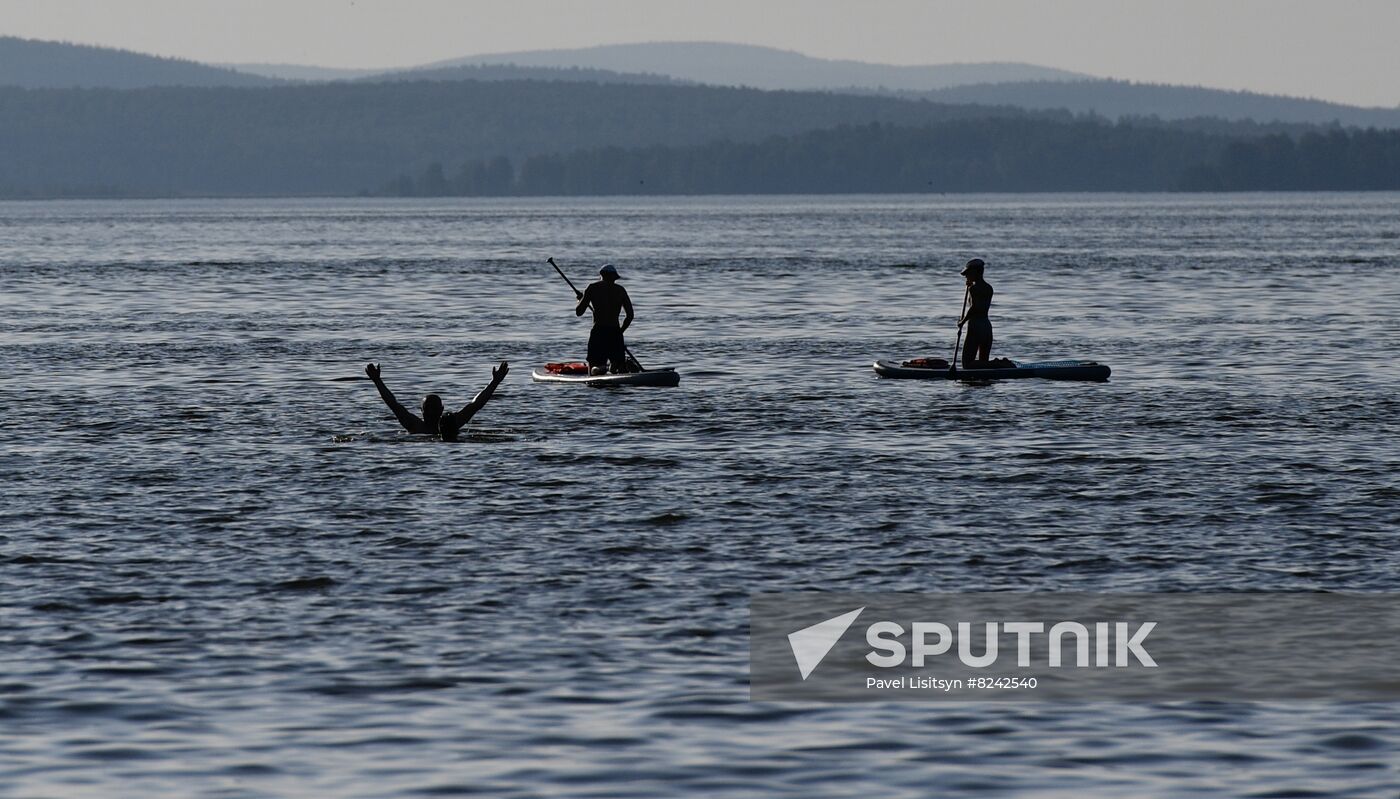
<point x="609" y="272"/>
<point x="446" y="425"/>
<point x="974" y="268"/>
<point x="432" y="409"/>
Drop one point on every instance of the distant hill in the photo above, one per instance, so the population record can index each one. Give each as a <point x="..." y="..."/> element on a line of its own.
<point x="301" y="73"/>
<point x="339" y="138"/>
<point x="554" y="137"/>
<point x="479" y="128"/>
<point x="1116" y="99"/>
<point x="32" y="64"/>
<point x="765" y="67"/>
<point x="475" y="71"/>
<point x="994" y="84"/>
<point x="498" y="72"/>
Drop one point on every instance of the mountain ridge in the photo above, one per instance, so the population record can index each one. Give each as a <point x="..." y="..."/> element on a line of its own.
<point x="759" y="67"/>
<point x="1119" y="99"/>
<point x="39" y="64"/>
<point x="478" y="136"/>
<point x="340" y="137"/>
<point x="992" y="84"/>
<point x="36" y="64"/>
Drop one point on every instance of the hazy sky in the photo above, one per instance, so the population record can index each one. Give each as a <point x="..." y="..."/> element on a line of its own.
<point x="1344" y="50"/>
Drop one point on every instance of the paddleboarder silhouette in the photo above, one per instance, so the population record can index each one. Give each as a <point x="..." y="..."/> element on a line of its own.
<point x="977" y="349"/>
<point x="607" y="351"/>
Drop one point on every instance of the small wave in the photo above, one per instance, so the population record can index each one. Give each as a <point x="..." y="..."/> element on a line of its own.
<point x="304" y="584"/>
<point x="666" y="519"/>
<point x="1355" y="742"/>
<point x="349" y="688"/>
<point x="125" y="599"/>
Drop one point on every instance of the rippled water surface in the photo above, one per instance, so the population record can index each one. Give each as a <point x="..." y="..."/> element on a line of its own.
<point x="224" y="571"/>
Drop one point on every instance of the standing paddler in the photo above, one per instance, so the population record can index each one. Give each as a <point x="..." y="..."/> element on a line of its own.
<point x="607" y="351"/>
<point x="977" y="350"/>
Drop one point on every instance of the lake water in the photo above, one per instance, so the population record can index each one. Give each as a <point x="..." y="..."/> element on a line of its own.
<point x="224" y="571"/>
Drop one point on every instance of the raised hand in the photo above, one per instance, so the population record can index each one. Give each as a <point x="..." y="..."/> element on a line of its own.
<point x="372" y="369"/>
<point x="499" y="373"/>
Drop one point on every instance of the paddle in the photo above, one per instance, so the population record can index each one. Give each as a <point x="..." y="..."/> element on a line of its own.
<point x="566" y="277"/>
<point x="958" y="343"/>
<point x="577" y="293"/>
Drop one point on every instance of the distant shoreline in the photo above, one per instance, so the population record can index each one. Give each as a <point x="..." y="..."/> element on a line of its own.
<point x="815" y="195"/>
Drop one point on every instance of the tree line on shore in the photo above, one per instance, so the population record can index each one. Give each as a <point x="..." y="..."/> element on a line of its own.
<point x="990" y="155"/>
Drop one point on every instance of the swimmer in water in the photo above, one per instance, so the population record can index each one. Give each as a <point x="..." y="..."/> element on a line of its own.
<point x="433" y="421"/>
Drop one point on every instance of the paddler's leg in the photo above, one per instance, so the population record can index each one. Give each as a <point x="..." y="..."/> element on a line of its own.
<point x="983" y="357"/>
<point x="617" y="354"/>
<point x="984" y="345"/>
<point x="597" y="351"/>
<point x="969" y="353"/>
<point x="978" y="348"/>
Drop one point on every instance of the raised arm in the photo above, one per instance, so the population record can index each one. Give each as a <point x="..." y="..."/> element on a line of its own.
<point x="453" y="422"/>
<point x="410" y="422"/>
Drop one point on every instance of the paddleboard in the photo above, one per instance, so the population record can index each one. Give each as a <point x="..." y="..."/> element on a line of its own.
<point x="561" y="373"/>
<point x="1049" y="370"/>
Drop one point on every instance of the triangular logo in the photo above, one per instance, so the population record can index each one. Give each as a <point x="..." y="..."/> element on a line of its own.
<point x="811" y="644"/>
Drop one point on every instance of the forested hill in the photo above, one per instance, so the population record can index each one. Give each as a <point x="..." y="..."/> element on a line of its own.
<point x="341" y="138"/>
<point x="967" y="155"/>
<point x="555" y="137"/>
<point x="1113" y="99"/>
<point x="517" y="72"/>
<point x="35" y="64"/>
